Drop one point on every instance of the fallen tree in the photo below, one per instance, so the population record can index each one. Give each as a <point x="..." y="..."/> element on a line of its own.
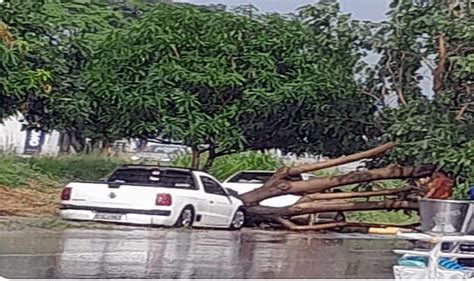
<point x="316" y="199"/>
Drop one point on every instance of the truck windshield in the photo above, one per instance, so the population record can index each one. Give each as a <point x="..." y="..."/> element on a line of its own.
<point x="157" y="177"/>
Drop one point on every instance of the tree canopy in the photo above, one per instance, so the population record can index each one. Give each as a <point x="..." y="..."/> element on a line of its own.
<point x="223" y="82"/>
<point x="229" y="81"/>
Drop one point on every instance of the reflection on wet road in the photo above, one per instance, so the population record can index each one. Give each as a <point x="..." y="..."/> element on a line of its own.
<point x="169" y="253"/>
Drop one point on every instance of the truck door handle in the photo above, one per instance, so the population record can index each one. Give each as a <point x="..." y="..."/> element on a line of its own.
<point x="212" y="202"/>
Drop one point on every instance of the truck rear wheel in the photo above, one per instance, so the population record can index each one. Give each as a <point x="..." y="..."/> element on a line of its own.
<point x="186" y="218"/>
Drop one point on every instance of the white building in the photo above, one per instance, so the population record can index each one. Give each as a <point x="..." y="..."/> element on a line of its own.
<point x="15" y="140"/>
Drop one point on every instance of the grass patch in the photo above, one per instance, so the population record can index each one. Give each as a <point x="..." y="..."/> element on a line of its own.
<point x="18" y="172"/>
<point x="75" y="167"/>
<point x="43" y="171"/>
<point x="383" y="217"/>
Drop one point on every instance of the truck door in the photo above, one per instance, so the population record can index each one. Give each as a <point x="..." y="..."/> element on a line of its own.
<point x="219" y="205"/>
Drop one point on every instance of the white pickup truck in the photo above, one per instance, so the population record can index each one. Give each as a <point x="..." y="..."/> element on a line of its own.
<point x="140" y="194"/>
<point x="245" y="181"/>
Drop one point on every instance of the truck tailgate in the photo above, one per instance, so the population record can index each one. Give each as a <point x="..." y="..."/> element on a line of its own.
<point x="113" y="195"/>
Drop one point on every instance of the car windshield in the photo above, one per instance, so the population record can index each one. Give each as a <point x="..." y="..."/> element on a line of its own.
<point x="257" y="177"/>
<point x="154" y="176"/>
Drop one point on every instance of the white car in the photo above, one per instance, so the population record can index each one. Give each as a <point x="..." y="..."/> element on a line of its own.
<point x="245" y="181"/>
<point x="153" y="195"/>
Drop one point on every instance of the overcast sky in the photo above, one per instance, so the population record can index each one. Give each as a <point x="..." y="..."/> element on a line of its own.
<point x="360" y="9"/>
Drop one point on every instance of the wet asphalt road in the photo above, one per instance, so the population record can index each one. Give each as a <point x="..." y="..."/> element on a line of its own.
<point x="171" y="253"/>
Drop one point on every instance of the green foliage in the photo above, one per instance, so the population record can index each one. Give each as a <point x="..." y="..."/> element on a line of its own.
<point x="383" y="217"/>
<point x="42" y="73"/>
<point x="439" y="129"/>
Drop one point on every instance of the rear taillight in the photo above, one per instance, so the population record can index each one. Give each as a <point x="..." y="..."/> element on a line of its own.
<point x="66" y="194"/>
<point x="163" y="199"/>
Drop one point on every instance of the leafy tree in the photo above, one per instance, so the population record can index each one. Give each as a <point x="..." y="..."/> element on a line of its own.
<point x="436" y="129"/>
<point x="224" y="82"/>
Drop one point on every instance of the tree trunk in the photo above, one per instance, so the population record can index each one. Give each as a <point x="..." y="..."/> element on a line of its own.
<point x="64" y="143"/>
<point x="76" y="142"/>
<point x="196" y="158"/>
<point x="210" y="159"/>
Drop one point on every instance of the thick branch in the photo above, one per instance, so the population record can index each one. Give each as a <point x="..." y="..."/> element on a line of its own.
<point x="210" y="159"/>
<point x="292" y="226"/>
<point x="318" y="207"/>
<point x="196" y="157"/>
<point x="346" y="195"/>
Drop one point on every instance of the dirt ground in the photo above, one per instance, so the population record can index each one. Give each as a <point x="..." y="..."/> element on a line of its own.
<point x="29" y="202"/>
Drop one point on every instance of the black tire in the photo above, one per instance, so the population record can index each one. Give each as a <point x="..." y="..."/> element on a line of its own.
<point x="340" y="217"/>
<point x="238" y="220"/>
<point x="186" y="218"/>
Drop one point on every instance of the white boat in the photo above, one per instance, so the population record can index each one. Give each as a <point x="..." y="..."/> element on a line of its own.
<point x="445" y="223"/>
<point x="432" y="267"/>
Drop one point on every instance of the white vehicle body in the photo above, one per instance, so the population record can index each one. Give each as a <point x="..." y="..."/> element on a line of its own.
<point x="152" y="195"/>
<point x="432" y="268"/>
<point x="241" y="185"/>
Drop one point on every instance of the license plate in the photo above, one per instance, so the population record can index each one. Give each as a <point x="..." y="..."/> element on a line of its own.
<point x="113" y="217"/>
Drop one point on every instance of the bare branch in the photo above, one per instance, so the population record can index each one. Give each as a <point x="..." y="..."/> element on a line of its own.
<point x="371" y="153"/>
<point x="463" y="110"/>
<point x="428" y="64"/>
<point x="365" y="92"/>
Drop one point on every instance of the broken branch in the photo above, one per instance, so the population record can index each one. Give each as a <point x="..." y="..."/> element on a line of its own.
<point x="282" y="187"/>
